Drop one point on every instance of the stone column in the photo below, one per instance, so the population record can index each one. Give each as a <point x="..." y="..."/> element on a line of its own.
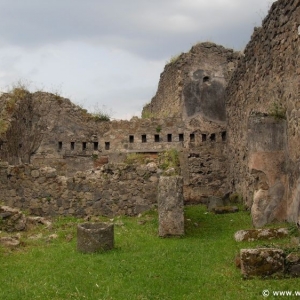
<point x="93" y="237"/>
<point x="170" y="206"/>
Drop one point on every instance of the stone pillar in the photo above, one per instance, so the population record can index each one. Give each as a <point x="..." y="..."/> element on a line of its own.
<point x="170" y="206"/>
<point x="93" y="237"/>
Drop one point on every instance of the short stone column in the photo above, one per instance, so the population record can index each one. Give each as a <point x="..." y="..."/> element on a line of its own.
<point x="93" y="237"/>
<point x="170" y="206"/>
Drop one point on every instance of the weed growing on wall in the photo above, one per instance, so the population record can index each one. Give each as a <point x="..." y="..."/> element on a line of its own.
<point x="173" y="59"/>
<point x="17" y="92"/>
<point x="98" y="117"/>
<point x="158" y="129"/>
<point x="135" y="158"/>
<point x="94" y="156"/>
<point x="101" y="114"/>
<point x="146" y="111"/>
<point x="293" y="230"/>
<point x="146" y="114"/>
<point x="277" y="111"/>
<point x="169" y="159"/>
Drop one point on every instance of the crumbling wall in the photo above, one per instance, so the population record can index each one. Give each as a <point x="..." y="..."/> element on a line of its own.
<point x="204" y="167"/>
<point x="31" y="124"/>
<point x="74" y="146"/>
<point x="65" y="137"/>
<point x="21" y="127"/>
<point x="194" y="83"/>
<point x="266" y="83"/>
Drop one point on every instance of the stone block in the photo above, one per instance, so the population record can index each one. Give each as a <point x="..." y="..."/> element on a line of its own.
<point x="35" y="173"/>
<point x="294" y="270"/>
<point x="93" y="237"/>
<point x="292" y="263"/>
<point x="214" y="202"/>
<point x="260" y="234"/>
<point x="10" y="241"/>
<point x="11" y="219"/>
<point x="170" y="206"/>
<point x="262" y="262"/>
<point x="225" y="209"/>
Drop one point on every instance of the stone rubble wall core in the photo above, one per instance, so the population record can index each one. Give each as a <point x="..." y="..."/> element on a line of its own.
<point x="113" y="190"/>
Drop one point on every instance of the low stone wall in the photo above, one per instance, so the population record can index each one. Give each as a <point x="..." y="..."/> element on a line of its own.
<point x="112" y="190"/>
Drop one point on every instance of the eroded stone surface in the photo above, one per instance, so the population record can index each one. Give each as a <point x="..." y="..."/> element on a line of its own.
<point x="93" y="237"/>
<point x="10" y="241"/>
<point x="263" y="118"/>
<point x="31" y="220"/>
<point x="114" y="189"/>
<point x="293" y="264"/>
<point x="262" y="262"/>
<point x="260" y="234"/>
<point x="194" y="83"/>
<point x="11" y="219"/>
<point x="170" y="206"/>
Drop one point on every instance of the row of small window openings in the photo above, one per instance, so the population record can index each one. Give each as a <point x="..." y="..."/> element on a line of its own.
<point x="144" y="140"/>
<point x="156" y="138"/>
<point x="84" y="145"/>
<point x="212" y="137"/>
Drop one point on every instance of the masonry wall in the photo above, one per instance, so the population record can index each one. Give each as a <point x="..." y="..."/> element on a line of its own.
<point x="266" y="83"/>
<point x="204" y="168"/>
<point x="113" y="190"/>
<point x="64" y="137"/>
<point x="194" y="83"/>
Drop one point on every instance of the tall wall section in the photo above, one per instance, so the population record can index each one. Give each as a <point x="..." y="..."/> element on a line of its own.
<point x="45" y="130"/>
<point x="194" y="83"/>
<point x="29" y="122"/>
<point x="263" y="111"/>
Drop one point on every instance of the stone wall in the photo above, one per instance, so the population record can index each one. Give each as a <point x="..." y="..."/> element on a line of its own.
<point x="46" y="130"/>
<point x="31" y="123"/>
<point x="204" y="168"/>
<point x="266" y="84"/>
<point x="109" y="189"/>
<point x="112" y="190"/>
<point x="194" y="83"/>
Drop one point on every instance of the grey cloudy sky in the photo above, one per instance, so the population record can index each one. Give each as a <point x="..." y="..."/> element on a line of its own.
<point x="111" y="52"/>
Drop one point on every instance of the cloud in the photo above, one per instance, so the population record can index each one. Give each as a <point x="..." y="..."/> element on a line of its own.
<point x="104" y="50"/>
<point x="130" y="24"/>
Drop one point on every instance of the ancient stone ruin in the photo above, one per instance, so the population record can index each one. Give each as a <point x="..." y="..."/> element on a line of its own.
<point x="262" y="106"/>
<point x="230" y="118"/>
<point x="94" y="237"/>
<point x="170" y="206"/>
<point x="264" y="262"/>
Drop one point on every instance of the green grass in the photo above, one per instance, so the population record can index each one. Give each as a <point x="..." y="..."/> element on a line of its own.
<point x="199" y="265"/>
